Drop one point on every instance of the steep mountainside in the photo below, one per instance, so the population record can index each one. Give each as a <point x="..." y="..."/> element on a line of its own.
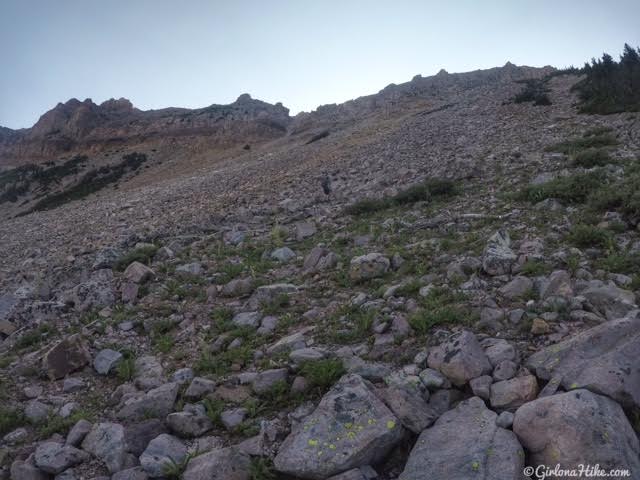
<point x="434" y="281"/>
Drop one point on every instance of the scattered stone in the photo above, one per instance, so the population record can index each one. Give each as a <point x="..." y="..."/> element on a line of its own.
<point x="247" y="319"/>
<point x="138" y="435"/>
<point x="577" y="427"/>
<point x="319" y="259"/>
<point x="161" y="453"/>
<point x="106" y="361"/>
<point x="106" y="442"/>
<point x="283" y="254"/>
<point x="498" y="256"/>
<point x="219" y="464"/>
<point x="466" y="443"/>
<point x="232" y="418"/>
<point x="460" y="358"/>
<point x="432" y="379"/>
<point x="65" y="357"/>
<point x="350" y="426"/>
<point x="137" y="272"/>
<point x="539" y="327"/>
<point x="55" y="458"/>
<point x="36" y="412"/>
<point x="157" y="402"/>
<point x="72" y="384"/>
<point x="510" y="394"/>
<point x="517" y="288"/>
<point x="409" y="406"/>
<point x="505" y="419"/>
<point x="238" y="287"/>
<point x="601" y="359"/>
<point x="199" y="387"/>
<point x="78" y="432"/>
<point x="267" y="379"/>
<point x="481" y="386"/>
<point x="305" y="230"/>
<point x="608" y="300"/>
<point x="368" y="266"/>
<point x="192" y="422"/>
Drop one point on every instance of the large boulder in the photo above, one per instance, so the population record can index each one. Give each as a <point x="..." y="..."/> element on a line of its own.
<point x="608" y="300"/>
<point x="162" y="453"/>
<point x="55" y="458"/>
<point x="65" y="357"/>
<point x="465" y="443"/>
<point x="510" y="394"/>
<point x="219" y="464"/>
<point x="602" y="359"/>
<point x="498" y="256"/>
<point x="368" y="266"/>
<point x="460" y="358"/>
<point x="577" y="427"/>
<point x="106" y="442"/>
<point x="351" y="427"/>
<point x="157" y="403"/>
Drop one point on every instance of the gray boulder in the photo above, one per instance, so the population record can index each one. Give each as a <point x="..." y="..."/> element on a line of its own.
<point x="247" y="319"/>
<point x="368" y="266"/>
<point x="460" y="358"/>
<point x="55" y="458"/>
<point x="577" y="427"/>
<point x="219" y="464"/>
<point x="192" y="422"/>
<point x="602" y="359"/>
<point x="157" y="402"/>
<point x="162" y="453"/>
<point x="409" y="406"/>
<point x="350" y="427"/>
<point x="137" y="272"/>
<point x="106" y="442"/>
<point x="608" y="300"/>
<point x="106" y="361"/>
<point x="283" y="254"/>
<point x="498" y="256"/>
<point x="510" y="394"/>
<point x="319" y="259"/>
<point x="465" y="443"/>
<point x="65" y="357"/>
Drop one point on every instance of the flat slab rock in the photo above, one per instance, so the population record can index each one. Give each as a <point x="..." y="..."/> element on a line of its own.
<point x="603" y="359"/>
<point x="351" y="427"/>
<point x="577" y="427"/>
<point x="465" y="443"/>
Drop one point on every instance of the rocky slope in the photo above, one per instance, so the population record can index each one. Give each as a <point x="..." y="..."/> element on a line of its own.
<point x="460" y="304"/>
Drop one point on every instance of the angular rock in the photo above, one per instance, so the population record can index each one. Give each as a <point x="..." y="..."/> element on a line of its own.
<point x="65" y="357"/>
<point x="199" y="387"/>
<point x="319" y="259"/>
<point x="465" y="443"/>
<point x="138" y="435"/>
<point x="27" y="471"/>
<point x="481" y="386"/>
<point x="106" y="442"/>
<point x="601" y="359"/>
<point x="350" y="427"/>
<point x="78" y="432"/>
<point x="460" y="358"/>
<point x="192" y="422"/>
<point x="577" y="427"/>
<point x="157" y="402"/>
<point x="162" y="453"/>
<point x="498" y="256"/>
<point x="148" y="372"/>
<point x="609" y="300"/>
<point x="510" y="394"/>
<point x="106" y="361"/>
<point x="267" y="294"/>
<point x="267" y="379"/>
<point x="135" y="473"/>
<point x="219" y="464"/>
<point x="283" y="254"/>
<point x="557" y="285"/>
<point x="368" y="266"/>
<point x="517" y="288"/>
<point x="410" y="407"/>
<point x="55" y="458"/>
<point x="137" y="272"/>
<point x="247" y="319"/>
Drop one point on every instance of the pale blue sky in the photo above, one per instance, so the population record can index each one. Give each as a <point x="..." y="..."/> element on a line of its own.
<point x="304" y="53"/>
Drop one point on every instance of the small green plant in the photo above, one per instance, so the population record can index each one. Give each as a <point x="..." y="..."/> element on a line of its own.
<point x="174" y="470"/>
<point x="126" y="369"/>
<point x="592" y="157"/>
<point x="350" y="324"/>
<point x="142" y="255"/>
<point x="214" y="408"/>
<point x="10" y="419"/>
<point x="535" y="268"/>
<point x="35" y="336"/>
<point x="429" y="190"/>
<point x="535" y="90"/>
<point x="163" y="343"/>
<point x="571" y="189"/>
<point x="588" y="236"/>
<point x="440" y="306"/>
<point x="276" y="304"/>
<point x="261" y="468"/>
<point x="57" y="424"/>
<point x="620" y="262"/>
<point x="575" y="145"/>
<point x="322" y="374"/>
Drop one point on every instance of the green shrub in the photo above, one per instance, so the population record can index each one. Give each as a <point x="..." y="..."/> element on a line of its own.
<point x="535" y="90"/>
<point x="261" y="468"/>
<point x="592" y="157"/>
<point x="440" y="306"/>
<point x="620" y="262"/>
<point x="588" y="236"/>
<point x="322" y="374"/>
<point x="58" y="424"/>
<point x="576" y="145"/>
<point x="570" y="189"/>
<point x="534" y="268"/>
<point x="142" y="255"/>
<point x="429" y="190"/>
<point x="126" y="369"/>
<point x="214" y="408"/>
<point x="622" y="195"/>
<point x="10" y="419"/>
<point x="35" y="336"/>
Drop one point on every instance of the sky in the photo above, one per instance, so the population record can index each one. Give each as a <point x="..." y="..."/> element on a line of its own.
<point x="303" y="53"/>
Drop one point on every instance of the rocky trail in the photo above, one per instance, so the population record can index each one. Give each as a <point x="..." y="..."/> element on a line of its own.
<point x="461" y="304"/>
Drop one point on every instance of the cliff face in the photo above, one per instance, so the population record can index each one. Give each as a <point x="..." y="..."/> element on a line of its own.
<point x="77" y="127"/>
